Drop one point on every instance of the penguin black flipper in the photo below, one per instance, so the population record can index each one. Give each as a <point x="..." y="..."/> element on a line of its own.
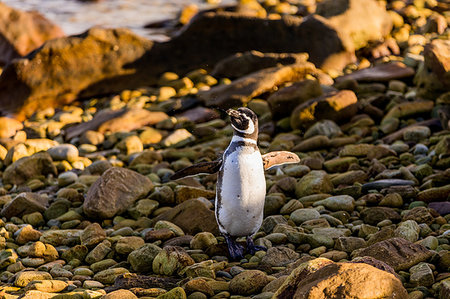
<point x="279" y="158"/>
<point x="203" y="167"/>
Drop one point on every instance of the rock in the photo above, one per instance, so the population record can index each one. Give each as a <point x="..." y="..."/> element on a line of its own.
<point x="192" y="216"/>
<point x="179" y="138"/>
<point x="198" y="285"/>
<point x="301" y="215"/>
<point x="7" y="257"/>
<point x="27" y="234"/>
<point x="125" y="245"/>
<point x="419" y="215"/>
<point x="245" y="88"/>
<point x="131" y="119"/>
<point x="434" y="194"/>
<point x="283" y="101"/>
<point x="49" y="286"/>
<point x="348" y="244"/>
<point x="203" y="240"/>
<point x="432" y="77"/>
<point x="355" y="280"/>
<point x="92" y="235"/>
<point x="171" y="260"/>
<point x="141" y="259"/>
<point x="442" y="208"/>
<point x="248" y="282"/>
<point x="199" y="115"/>
<point x="23" y="278"/>
<point x="374" y="215"/>
<point x="416" y="134"/>
<point x="337" y="203"/>
<point x="279" y="256"/>
<point x="67" y="152"/>
<point x="335" y="106"/>
<point x="381" y="73"/>
<point x="241" y="64"/>
<point x="421" y="275"/>
<point x="324" y="127"/>
<point x="114" y="192"/>
<point x="313" y="183"/>
<point x="362" y="21"/>
<point x="24" y="203"/>
<point x="382" y="184"/>
<point x="109" y="275"/>
<point x="312" y="143"/>
<point x="408" y="230"/>
<point x="23" y="32"/>
<point x="27" y="168"/>
<point x="396" y="252"/>
<point x="115" y="48"/>
<point x="120" y="294"/>
<point x="175" y="293"/>
<point x="131" y="280"/>
<point x="58" y="237"/>
<point x="9" y="126"/>
<point x="339" y="164"/>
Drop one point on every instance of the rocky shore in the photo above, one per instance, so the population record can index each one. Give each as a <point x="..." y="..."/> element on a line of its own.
<point x="94" y="125"/>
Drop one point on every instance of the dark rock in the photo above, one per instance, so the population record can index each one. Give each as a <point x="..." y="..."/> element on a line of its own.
<point x="114" y="192"/>
<point x="24" y="203"/>
<point x="442" y="207"/>
<point x="131" y="280"/>
<point x="419" y="215"/>
<point x="21" y="32"/>
<point x="245" y="88"/>
<point x="279" y="256"/>
<point x="374" y="215"/>
<point x="381" y="184"/>
<point x="27" y="168"/>
<point x="241" y="64"/>
<point x="199" y="115"/>
<point x="381" y="73"/>
<point x="336" y="106"/>
<point x="283" y="101"/>
<point x="398" y="253"/>
<point x="192" y="216"/>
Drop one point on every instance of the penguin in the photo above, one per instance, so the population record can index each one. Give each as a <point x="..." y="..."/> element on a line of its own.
<point x="241" y="184"/>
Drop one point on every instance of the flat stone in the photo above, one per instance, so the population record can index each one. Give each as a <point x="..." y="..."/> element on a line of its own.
<point x="396" y="252"/>
<point x="380" y="73"/>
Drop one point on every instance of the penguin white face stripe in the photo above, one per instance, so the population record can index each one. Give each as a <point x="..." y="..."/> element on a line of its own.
<point x="249" y="130"/>
<point x="239" y="138"/>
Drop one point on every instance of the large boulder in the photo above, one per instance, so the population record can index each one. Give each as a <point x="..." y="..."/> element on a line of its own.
<point x="114" y="192"/>
<point x="96" y="62"/>
<point x="324" y="279"/>
<point x="21" y="32"/>
<point x="360" y="20"/>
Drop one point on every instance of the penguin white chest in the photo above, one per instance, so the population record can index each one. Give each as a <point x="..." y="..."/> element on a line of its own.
<point x="241" y="190"/>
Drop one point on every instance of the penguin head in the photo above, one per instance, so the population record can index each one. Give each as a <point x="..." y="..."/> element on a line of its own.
<point x="244" y="122"/>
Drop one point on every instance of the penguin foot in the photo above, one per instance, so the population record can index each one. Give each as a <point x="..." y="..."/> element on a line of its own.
<point x="252" y="248"/>
<point x="235" y="250"/>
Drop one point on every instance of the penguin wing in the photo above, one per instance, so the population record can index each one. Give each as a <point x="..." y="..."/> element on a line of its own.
<point x="203" y="167"/>
<point x="278" y="158"/>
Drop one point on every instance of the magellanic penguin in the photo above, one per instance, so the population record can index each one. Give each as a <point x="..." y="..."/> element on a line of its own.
<point x="241" y="184"/>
